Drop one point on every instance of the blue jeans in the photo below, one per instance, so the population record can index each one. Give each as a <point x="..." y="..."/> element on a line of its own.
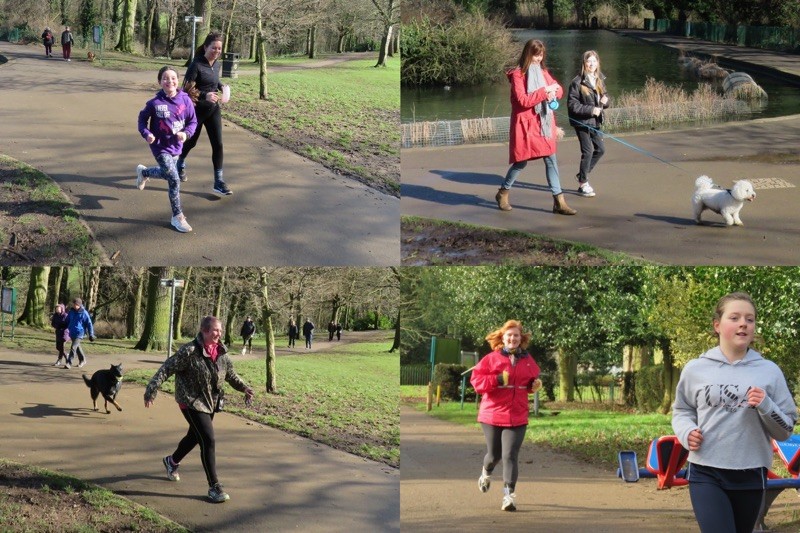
<point x="551" y="173"/>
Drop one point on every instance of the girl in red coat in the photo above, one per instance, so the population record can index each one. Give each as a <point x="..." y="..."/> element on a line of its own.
<point x="505" y="377"/>
<point x="533" y="132"/>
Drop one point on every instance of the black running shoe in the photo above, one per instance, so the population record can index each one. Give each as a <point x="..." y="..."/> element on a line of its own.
<point x="182" y="174"/>
<point x="221" y="188"/>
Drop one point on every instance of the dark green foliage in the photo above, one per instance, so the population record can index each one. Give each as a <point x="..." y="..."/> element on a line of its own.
<point x="449" y="377"/>
<point x="468" y="50"/>
<point x="649" y="388"/>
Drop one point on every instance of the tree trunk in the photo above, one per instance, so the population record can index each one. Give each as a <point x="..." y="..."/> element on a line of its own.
<point x="178" y="322"/>
<point x="218" y="304"/>
<point x="385" y="40"/>
<point x="396" y="343"/>
<point x="156" y="319"/>
<point x="34" y="314"/>
<point x="229" y="321"/>
<point x="269" y="333"/>
<point x="670" y="378"/>
<point x="134" y="315"/>
<point x="228" y="29"/>
<point x="261" y="51"/>
<point x="127" y="34"/>
<point x="55" y="291"/>
<point x="94" y="289"/>
<point x="340" y="42"/>
<point x="567" y="370"/>
<point x="312" y="41"/>
<point x="152" y="10"/>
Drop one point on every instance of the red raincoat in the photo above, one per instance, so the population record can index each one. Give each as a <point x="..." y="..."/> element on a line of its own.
<point x="505" y="406"/>
<point x="525" y="130"/>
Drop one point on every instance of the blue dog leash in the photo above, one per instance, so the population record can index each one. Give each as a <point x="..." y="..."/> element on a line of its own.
<point x="629" y="145"/>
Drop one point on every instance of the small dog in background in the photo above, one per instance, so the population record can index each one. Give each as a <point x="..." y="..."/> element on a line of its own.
<point x="90" y="56"/>
<point x="105" y="382"/>
<point x="725" y="202"/>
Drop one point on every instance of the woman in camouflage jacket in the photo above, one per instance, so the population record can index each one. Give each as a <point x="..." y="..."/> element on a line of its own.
<point x="200" y="367"/>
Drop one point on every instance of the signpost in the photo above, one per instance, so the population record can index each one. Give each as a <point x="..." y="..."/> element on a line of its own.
<point x="8" y="305"/>
<point x="194" y="20"/>
<point x="171" y="283"/>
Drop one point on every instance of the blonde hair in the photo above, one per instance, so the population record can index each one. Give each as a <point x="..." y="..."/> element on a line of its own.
<point x="599" y="84"/>
<point x="495" y="338"/>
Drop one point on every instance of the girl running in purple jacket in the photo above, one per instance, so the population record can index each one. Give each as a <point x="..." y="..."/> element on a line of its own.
<point x="165" y="123"/>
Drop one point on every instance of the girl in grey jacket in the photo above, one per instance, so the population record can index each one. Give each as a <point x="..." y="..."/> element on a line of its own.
<point x="728" y="405"/>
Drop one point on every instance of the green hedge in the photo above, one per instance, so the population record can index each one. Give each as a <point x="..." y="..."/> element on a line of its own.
<point x="449" y="377"/>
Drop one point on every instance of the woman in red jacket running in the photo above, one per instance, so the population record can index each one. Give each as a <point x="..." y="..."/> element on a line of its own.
<point x="505" y="377"/>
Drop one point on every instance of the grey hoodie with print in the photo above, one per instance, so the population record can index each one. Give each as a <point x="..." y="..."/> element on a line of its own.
<point x="712" y="396"/>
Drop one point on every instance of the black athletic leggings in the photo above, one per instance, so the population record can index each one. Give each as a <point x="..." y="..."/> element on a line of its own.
<point x="726" y="501"/>
<point x="503" y="443"/>
<point x="210" y="117"/>
<point x="201" y="431"/>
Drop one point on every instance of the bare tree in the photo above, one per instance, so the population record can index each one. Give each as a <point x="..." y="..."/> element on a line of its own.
<point x="389" y="14"/>
<point x="34" y="313"/>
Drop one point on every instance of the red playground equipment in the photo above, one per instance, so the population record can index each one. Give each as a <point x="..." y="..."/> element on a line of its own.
<point x="666" y="458"/>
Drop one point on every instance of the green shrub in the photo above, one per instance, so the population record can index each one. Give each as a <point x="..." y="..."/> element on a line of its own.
<point x="449" y="377"/>
<point x="468" y="50"/>
<point x="649" y="388"/>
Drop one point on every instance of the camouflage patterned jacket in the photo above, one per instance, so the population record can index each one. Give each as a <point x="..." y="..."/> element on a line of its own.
<point x="194" y="377"/>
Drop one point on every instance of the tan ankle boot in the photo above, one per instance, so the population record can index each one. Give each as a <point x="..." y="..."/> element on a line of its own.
<point x="560" y="205"/>
<point x="502" y="199"/>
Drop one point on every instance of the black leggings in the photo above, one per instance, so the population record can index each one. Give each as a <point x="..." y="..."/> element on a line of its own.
<point x="503" y="443"/>
<point x="201" y="431"/>
<point x="211" y="118"/>
<point x="592" y="149"/>
<point x="719" y="508"/>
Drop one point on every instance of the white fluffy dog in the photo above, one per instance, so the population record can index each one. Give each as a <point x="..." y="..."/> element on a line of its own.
<point x="726" y="202"/>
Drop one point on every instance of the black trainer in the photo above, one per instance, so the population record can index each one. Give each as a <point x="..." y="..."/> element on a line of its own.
<point x="182" y="174"/>
<point x="221" y="188"/>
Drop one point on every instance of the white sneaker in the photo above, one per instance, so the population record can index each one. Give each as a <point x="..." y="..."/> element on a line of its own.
<point x="140" y="180"/>
<point x="81" y="364"/>
<point x="485" y="481"/>
<point x="180" y="224"/>
<point x="508" y="502"/>
<point x="586" y="190"/>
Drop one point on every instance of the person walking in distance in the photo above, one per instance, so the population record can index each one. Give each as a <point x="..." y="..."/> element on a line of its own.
<point x="247" y="332"/>
<point x="200" y="367"/>
<point x="79" y="324"/>
<point x="66" y="43"/>
<point x="48" y="39"/>
<point x="293" y="333"/>
<point x="60" y="322"/>
<point x="308" y="332"/>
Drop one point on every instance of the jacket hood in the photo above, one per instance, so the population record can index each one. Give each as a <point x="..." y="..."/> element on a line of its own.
<point x="715" y="354"/>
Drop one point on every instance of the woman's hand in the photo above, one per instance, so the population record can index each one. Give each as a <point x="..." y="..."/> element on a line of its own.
<point x="212" y="97"/>
<point x="755" y="396"/>
<point x="248" y="396"/>
<point x="181" y="136"/>
<point x="150" y="138"/>
<point x="604" y="100"/>
<point x="695" y="440"/>
<point x="596" y="111"/>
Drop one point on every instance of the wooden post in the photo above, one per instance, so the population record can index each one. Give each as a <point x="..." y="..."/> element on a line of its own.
<point x="429" y="401"/>
<point x="438" y="394"/>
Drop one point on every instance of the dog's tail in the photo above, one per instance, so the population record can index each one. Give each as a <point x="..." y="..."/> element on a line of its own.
<point x="87" y="381"/>
<point x="703" y="182"/>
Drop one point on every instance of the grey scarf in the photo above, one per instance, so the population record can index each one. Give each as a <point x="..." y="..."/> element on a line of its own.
<point x="536" y="81"/>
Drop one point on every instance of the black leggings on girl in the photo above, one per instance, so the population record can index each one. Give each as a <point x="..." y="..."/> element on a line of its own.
<point x="726" y="501"/>
<point x="503" y="443"/>
<point x="210" y="117"/>
<point x="201" y="431"/>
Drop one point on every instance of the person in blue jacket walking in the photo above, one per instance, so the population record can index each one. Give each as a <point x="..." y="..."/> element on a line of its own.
<point x="79" y="324"/>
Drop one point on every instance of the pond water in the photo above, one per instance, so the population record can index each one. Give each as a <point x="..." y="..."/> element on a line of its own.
<point x="626" y="62"/>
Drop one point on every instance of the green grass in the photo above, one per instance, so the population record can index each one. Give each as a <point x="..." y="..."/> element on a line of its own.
<point x="345" y="116"/>
<point x="347" y="398"/>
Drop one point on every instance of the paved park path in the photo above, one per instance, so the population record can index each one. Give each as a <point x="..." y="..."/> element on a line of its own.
<point x="277" y="481"/>
<point x="439" y="489"/>
<point x="77" y="123"/>
<point x="643" y="206"/>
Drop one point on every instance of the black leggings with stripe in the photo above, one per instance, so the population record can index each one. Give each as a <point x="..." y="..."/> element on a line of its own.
<point x="201" y="431"/>
<point x="210" y="117"/>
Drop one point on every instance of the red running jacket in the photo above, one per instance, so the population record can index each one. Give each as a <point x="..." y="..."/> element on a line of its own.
<point x="505" y="406"/>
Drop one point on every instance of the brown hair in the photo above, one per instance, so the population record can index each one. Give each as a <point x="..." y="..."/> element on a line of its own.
<point x="208" y="321"/>
<point x="532" y="48"/>
<point x="495" y="338"/>
<point x="719" y="310"/>
<point x="165" y="68"/>
<point x="210" y="38"/>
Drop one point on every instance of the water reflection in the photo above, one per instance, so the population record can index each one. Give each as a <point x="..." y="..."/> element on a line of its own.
<point x="626" y="62"/>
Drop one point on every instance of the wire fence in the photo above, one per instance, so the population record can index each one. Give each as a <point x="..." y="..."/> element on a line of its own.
<point x="495" y="129"/>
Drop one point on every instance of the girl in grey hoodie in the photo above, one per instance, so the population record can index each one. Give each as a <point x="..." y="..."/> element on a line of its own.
<point x="728" y="405"/>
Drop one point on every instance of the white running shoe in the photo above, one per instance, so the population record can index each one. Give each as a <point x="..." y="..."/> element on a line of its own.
<point x="485" y="481"/>
<point x="586" y="190"/>
<point x="508" y="502"/>
<point x="140" y="180"/>
<point x="180" y="224"/>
